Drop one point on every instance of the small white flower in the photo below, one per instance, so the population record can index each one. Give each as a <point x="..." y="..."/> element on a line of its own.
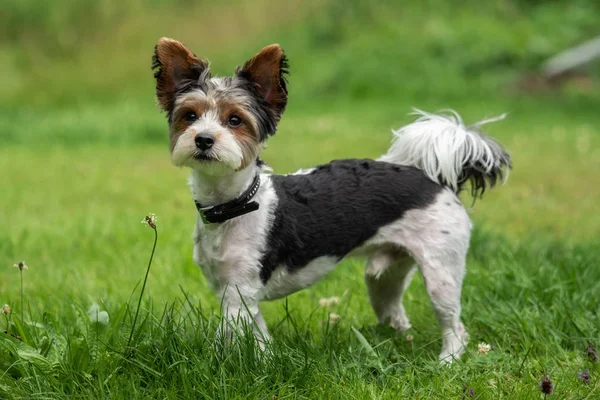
<point x="326" y="302"/>
<point x="483" y="348"/>
<point x="334" y="318"/>
<point x="6" y="309"/>
<point x="150" y="220"/>
<point x="96" y="315"/>
<point x="409" y="338"/>
<point x="21" y="265"/>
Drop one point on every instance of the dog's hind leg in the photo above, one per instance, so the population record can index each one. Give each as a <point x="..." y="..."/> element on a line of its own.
<point x="387" y="275"/>
<point x="443" y="282"/>
<point x="438" y="239"/>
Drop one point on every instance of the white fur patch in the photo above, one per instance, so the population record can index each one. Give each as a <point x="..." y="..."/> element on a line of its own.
<point x="229" y="253"/>
<point x="284" y="282"/>
<point x="303" y="171"/>
<point x="441" y="145"/>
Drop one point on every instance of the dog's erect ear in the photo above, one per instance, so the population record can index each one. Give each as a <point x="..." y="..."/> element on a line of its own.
<point x="268" y="69"/>
<point x="174" y="67"/>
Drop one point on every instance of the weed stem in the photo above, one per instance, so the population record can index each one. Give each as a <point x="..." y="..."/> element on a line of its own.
<point x="21" y="297"/>
<point x="143" y="287"/>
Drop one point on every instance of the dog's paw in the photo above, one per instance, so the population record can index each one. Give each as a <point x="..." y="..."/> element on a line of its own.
<point x="401" y="323"/>
<point x="454" y="345"/>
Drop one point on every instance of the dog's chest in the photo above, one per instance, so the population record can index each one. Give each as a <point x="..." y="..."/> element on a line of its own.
<point x="224" y="250"/>
<point x="208" y="250"/>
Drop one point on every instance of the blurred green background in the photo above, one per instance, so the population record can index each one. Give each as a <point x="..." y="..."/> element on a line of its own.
<point x="84" y="151"/>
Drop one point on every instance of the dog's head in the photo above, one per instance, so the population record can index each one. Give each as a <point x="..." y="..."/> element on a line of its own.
<point x="219" y="124"/>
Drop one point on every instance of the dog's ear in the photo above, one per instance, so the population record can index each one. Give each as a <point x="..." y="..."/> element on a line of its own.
<point x="268" y="70"/>
<point x="174" y="67"/>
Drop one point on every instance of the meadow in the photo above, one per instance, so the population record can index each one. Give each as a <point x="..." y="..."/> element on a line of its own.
<point x="84" y="157"/>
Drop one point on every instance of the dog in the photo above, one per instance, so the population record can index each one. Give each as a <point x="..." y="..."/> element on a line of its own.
<point x="260" y="236"/>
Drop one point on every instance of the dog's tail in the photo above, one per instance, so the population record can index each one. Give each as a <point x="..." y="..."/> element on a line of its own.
<point x="449" y="152"/>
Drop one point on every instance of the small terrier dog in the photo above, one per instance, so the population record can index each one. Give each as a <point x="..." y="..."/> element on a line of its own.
<point x="260" y="236"/>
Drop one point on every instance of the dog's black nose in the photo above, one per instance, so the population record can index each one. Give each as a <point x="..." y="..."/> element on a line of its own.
<point x="204" y="141"/>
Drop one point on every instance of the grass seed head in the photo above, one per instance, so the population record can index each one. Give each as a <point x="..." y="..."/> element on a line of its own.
<point x="21" y="265"/>
<point x="150" y="220"/>
<point x="592" y="352"/>
<point x="584" y="377"/>
<point x="468" y="393"/>
<point x="546" y="385"/>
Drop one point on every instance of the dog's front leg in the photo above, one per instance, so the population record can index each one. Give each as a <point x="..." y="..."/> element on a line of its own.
<point x="241" y="313"/>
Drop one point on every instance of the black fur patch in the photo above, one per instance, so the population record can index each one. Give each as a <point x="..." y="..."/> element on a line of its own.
<point x="475" y="172"/>
<point x="337" y="207"/>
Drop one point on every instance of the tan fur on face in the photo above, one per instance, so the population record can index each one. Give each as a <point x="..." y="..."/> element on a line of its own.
<point x="219" y="109"/>
<point x="248" y="142"/>
<point x="179" y="124"/>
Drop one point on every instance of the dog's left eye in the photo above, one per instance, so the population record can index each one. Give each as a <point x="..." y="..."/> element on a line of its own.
<point x="234" y="121"/>
<point x="190" y="116"/>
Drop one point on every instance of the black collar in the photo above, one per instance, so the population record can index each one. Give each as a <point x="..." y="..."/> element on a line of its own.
<point x="234" y="208"/>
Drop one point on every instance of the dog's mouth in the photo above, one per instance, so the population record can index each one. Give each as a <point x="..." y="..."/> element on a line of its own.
<point x="202" y="156"/>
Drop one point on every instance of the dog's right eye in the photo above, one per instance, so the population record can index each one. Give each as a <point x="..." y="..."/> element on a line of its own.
<point x="190" y="116"/>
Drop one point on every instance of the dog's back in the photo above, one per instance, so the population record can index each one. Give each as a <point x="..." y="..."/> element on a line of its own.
<point x="334" y="208"/>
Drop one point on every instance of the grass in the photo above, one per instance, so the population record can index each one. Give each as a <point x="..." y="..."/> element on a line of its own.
<point x="535" y="302"/>
<point x="84" y="158"/>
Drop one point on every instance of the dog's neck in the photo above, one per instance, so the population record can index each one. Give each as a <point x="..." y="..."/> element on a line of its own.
<point x="212" y="190"/>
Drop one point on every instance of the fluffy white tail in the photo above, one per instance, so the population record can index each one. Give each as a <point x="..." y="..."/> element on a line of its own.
<point x="449" y="152"/>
